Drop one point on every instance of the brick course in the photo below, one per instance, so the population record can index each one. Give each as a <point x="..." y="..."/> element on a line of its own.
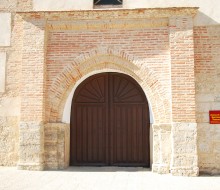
<point x="148" y="48"/>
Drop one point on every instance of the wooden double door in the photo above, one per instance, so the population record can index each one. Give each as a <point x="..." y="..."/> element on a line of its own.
<point x="109" y="122"/>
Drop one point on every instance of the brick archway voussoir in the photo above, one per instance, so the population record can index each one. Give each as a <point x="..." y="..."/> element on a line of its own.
<point x="97" y="61"/>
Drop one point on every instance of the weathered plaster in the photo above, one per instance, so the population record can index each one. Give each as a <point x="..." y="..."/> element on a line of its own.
<point x="2" y="71"/>
<point x="208" y="15"/>
<point x="48" y="5"/>
<point x="5" y="29"/>
<point x="10" y="107"/>
<point x="208" y="12"/>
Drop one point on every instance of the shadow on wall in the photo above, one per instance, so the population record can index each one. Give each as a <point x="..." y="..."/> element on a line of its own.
<point x="202" y="19"/>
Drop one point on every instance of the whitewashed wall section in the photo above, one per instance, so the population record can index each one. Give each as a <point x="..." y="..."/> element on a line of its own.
<point x="57" y="5"/>
<point x="5" y="40"/>
<point x="208" y="14"/>
<point x="5" y="29"/>
<point x="2" y="71"/>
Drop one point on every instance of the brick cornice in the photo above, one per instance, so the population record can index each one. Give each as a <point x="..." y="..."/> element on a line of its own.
<point x="111" y="13"/>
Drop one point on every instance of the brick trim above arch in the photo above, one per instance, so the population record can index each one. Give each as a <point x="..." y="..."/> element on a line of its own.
<point x="102" y="59"/>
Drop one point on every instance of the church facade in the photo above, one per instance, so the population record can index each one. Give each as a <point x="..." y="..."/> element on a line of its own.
<point x="110" y="83"/>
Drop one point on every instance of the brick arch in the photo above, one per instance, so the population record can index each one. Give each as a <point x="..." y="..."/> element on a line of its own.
<point x="107" y="59"/>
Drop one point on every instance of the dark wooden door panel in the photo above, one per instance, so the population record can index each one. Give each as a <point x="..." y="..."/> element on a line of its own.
<point x="89" y="136"/>
<point x="92" y="91"/>
<point x="128" y="139"/>
<point x="109" y="122"/>
<point x="124" y="90"/>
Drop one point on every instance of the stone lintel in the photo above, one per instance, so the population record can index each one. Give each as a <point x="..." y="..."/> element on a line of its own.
<point x="111" y="13"/>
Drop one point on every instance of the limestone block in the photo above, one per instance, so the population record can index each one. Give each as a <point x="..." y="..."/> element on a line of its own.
<point x="217" y="136"/>
<point x="217" y="158"/>
<point x="208" y="135"/>
<point x="163" y="169"/>
<point x="51" y="166"/>
<point x="51" y="158"/>
<point x="5" y="29"/>
<point x="203" y="107"/>
<point x="156" y="145"/>
<point x="165" y="146"/>
<point x="50" y="136"/>
<point x="185" y="171"/>
<point x="155" y="167"/>
<point x="8" y="141"/>
<point x="31" y="154"/>
<point x="30" y="166"/>
<point x="206" y="87"/>
<point x="206" y="128"/>
<point x="205" y="97"/>
<point x="31" y="146"/>
<point x="209" y="163"/>
<point x="217" y="98"/>
<point x="202" y="117"/>
<point x="217" y="147"/>
<point x="184" y="152"/>
<point x="30" y="137"/>
<point x="215" y="106"/>
<point x="184" y="126"/>
<point x="185" y="148"/>
<point x="50" y="146"/>
<point x="180" y="160"/>
<point x="161" y="148"/>
<point x="206" y="160"/>
<point x="205" y="147"/>
<point x="56" y="145"/>
<point x="2" y="69"/>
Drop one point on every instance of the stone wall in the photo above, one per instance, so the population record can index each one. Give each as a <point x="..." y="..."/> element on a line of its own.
<point x="31" y="146"/>
<point x="207" y="69"/>
<point x="9" y="141"/>
<point x="10" y="91"/>
<point x="162" y="150"/>
<point x="56" y="146"/>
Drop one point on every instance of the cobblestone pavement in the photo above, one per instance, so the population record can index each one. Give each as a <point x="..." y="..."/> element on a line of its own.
<point x="101" y="178"/>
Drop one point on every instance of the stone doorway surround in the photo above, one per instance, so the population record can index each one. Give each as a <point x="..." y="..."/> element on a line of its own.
<point x="44" y="138"/>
